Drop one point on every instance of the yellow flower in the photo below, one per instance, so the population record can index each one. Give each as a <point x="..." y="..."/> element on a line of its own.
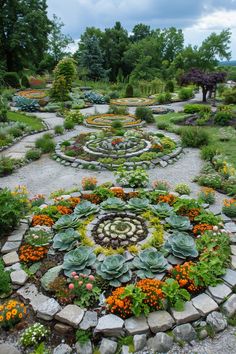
<point x="1" y="318"/>
<point x="14" y="312"/>
<point x="20" y="315"/>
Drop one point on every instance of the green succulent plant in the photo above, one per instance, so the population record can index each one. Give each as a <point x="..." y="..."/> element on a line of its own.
<point x="181" y="245"/>
<point x="114" y="269"/>
<point x="162" y="210"/>
<point x="85" y="209"/>
<point x="113" y="204"/>
<point x="149" y="262"/>
<point x="79" y="260"/>
<point x="66" y="222"/>
<point x="179" y="222"/>
<point x="138" y="204"/>
<point x="66" y="240"/>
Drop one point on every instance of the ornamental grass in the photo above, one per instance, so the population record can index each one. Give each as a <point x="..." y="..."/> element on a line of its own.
<point x="11" y="312"/>
<point x="28" y="253"/>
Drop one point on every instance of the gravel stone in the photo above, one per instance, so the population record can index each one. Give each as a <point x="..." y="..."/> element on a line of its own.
<point x="62" y="349"/>
<point x="6" y="348"/>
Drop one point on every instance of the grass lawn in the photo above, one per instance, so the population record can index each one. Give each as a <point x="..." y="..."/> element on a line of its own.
<point x="33" y="122"/>
<point x="227" y="148"/>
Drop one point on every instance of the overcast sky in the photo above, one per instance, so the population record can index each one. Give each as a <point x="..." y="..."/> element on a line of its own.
<point x="197" y="18"/>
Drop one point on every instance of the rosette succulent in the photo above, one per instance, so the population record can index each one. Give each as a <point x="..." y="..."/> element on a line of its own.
<point x="113" y="204"/>
<point x="85" y="209"/>
<point x="66" y="240"/>
<point x="138" y="204"/>
<point x="114" y="269"/>
<point x="66" y="222"/>
<point x="149" y="262"/>
<point x="181" y="245"/>
<point x="179" y="222"/>
<point x="162" y="210"/>
<point x="79" y="260"/>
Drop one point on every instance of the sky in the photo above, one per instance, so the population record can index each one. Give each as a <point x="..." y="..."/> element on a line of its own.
<point x="197" y="18"/>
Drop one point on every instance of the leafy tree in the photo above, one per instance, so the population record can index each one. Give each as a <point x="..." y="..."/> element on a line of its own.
<point x="140" y="31"/>
<point x="91" y="58"/>
<point x="24" y="28"/>
<point x="206" y="80"/>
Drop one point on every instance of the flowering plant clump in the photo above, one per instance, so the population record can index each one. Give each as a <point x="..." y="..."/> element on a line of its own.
<point x="207" y="195"/>
<point x="169" y="198"/>
<point x="118" y="306"/>
<point x="118" y="192"/>
<point x="38" y="238"/>
<point x="60" y="287"/>
<point x="182" y="274"/>
<point x="11" y="312"/>
<point x="190" y="213"/>
<point x="154" y="295"/>
<point x="93" y="198"/>
<point x="63" y="210"/>
<point x="201" y="228"/>
<point x="42" y="220"/>
<point x="84" y="288"/>
<point x="37" y="200"/>
<point x="89" y="183"/>
<point x="28" y="253"/>
<point x="229" y="207"/>
<point x="73" y="201"/>
<point x="33" y="335"/>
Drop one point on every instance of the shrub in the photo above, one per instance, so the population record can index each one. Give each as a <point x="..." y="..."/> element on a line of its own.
<point x="129" y="92"/>
<point x="117" y="124"/>
<point x="229" y="208"/>
<point x="11" y="79"/>
<point x="212" y="180"/>
<point x="7" y="165"/>
<point x="207" y="195"/>
<point x="66" y="68"/>
<point x="59" y="129"/>
<point x="45" y="143"/>
<point x="5" y="281"/>
<point x="194" y="136"/>
<point x="222" y="118"/>
<point x="163" y="125"/>
<point x="164" y="98"/>
<point x="33" y="154"/>
<point x="182" y="188"/>
<point x="208" y="152"/>
<point x="118" y="110"/>
<point x="75" y="116"/>
<point x="60" y="90"/>
<point x="169" y="87"/>
<point x="144" y="113"/>
<point x="230" y="96"/>
<point x="196" y="108"/>
<point x="185" y="93"/>
<point x="69" y="124"/>
<point x="114" y="95"/>
<point x="25" y="82"/>
<point x="3" y="110"/>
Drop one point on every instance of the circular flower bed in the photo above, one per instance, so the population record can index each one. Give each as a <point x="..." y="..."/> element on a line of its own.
<point x="133" y="101"/>
<point x="106" y="120"/>
<point x="109" y="151"/>
<point x="33" y="94"/>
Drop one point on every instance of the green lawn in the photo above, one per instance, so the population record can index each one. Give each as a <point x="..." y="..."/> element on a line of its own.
<point x="227" y="148"/>
<point x="33" y="122"/>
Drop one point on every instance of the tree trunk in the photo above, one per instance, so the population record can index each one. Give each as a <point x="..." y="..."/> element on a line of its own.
<point x="204" y="94"/>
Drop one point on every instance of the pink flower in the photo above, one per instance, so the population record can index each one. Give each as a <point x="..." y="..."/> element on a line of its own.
<point x="73" y="274"/>
<point x="82" y="275"/>
<point x="76" y="277"/>
<point x="91" y="277"/>
<point x="71" y="286"/>
<point x="89" y="286"/>
<point x="80" y="282"/>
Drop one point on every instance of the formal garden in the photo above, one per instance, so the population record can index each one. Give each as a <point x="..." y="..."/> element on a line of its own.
<point x="117" y="202"/>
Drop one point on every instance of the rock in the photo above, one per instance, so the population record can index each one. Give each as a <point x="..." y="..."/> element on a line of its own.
<point x="85" y="348"/>
<point x="16" y="266"/>
<point x="10" y="258"/>
<point x="217" y="321"/>
<point x="140" y="342"/>
<point x="17" y="235"/>
<point x="107" y="346"/>
<point x="125" y="349"/>
<point x="233" y="250"/>
<point x="163" y="163"/>
<point x="30" y="292"/>
<point x="90" y="320"/>
<point x="62" y="349"/>
<point x="230" y="226"/>
<point x="230" y="277"/>
<point x="185" y="332"/>
<point x="204" y="304"/>
<point x="161" y="343"/>
<point x="71" y="314"/>
<point x="233" y="262"/>
<point x="8" y="349"/>
<point x="50" y="276"/>
<point x="10" y="246"/>
<point x="215" y="209"/>
<point x="189" y="313"/>
<point x="136" y="325"/>
<point x="48" y="309"/>
<point x="160" y="321"/>
<point x="19" y="277"/>
<point x="63" y="329"/>
<point x="229" y="307"/>
<point x="202" y="334"/>
<point x="110" y="325"/>
<point x="219" y="292"/>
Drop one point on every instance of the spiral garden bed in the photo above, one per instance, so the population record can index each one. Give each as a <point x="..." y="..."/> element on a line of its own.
<point x="105" y="150"/>
<point x="133" y="101"/>
<point x="171" y="270"/>
<point x="106" y="120"/>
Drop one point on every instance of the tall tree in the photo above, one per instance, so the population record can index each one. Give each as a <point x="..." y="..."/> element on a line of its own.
<point x="140" y="31"/>
<point x="24" y="28"/>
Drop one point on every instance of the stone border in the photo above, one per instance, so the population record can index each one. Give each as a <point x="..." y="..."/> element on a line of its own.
<point x="149" y="332"/>
<point x="162" y="161"/>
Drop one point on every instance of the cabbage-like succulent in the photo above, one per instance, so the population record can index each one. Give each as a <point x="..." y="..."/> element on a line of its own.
<point x="66" y="240"/>
<point x="149" y="262"/>
<point x="113" y="204"/>
<point x="85" y="209"/>
<point x="162" y="210"/>
<point x="179" y="222"/>
<point x="138" y="204"/>
<point x="66" y="222"/>
<point x="79" y="260"/>
<point x="114" y="269"/>
<point x="181" y="245"/>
